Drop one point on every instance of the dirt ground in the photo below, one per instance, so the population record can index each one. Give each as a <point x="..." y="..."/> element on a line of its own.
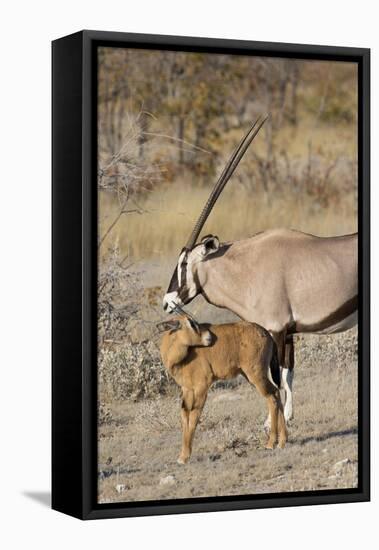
<point x="140" y="442"/>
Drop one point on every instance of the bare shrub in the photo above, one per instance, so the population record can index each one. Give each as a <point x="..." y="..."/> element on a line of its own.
<point x="132" y="371"/>
<point x="104" y="414"/>
<point x="118" y="297"/>
<point x="325" y="181"/>
<point x="338" y="350"/>
<point x="129" y="365"/>
<point x="125" y="170"/>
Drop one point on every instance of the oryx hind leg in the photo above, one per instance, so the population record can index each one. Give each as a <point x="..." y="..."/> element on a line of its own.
<point x="279" y="338"/>
<point x="287" y="378"/>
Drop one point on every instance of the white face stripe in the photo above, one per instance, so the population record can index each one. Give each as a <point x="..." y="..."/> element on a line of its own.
<point x="186" y="285"/>
<point x="179" y="268"/>
<point x="189" y="282"/>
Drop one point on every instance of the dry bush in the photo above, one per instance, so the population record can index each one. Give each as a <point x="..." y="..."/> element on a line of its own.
<point x="338" y="350"/>
<point x="125" y="171"/>
<point x="118" y="297"/>
<point x="132" y="371"/>
<point x="104" y="414"/>
<point x="313" y="176"/>
<point x="129" y="365"/>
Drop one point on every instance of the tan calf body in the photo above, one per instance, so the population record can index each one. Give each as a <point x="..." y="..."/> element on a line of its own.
<point x="197" y="355"/>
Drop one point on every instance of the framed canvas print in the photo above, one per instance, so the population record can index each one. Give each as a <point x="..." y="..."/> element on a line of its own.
<point x="210" y="275"/>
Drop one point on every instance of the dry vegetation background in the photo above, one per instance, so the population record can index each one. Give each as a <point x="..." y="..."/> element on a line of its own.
<point x="167" y="123"/>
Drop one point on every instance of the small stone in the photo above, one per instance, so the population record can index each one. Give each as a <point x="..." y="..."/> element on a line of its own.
<point x="168" y="480"/>
<point x="214" y="457"/>
<point x="240" y="452"/>
<point x="341" y="463"/>
<point x="120" y="487"/>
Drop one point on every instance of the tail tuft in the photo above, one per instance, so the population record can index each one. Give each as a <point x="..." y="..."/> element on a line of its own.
<point x="274" y="365"/>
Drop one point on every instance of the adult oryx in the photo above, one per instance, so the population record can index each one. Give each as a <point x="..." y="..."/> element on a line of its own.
<point x="287" y="281"/>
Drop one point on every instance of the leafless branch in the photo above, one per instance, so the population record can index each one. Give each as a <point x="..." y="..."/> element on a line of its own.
<point x="121" y="212"/>
<point x="196" y="147"/>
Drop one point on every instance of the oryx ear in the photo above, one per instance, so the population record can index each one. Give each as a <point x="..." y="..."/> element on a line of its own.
<point x="209" y="245"/>
<point x="168" y="325"/>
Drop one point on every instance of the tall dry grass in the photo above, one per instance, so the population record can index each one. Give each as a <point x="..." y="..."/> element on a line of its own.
<point x="310" y="184"/>
<point x="168" y="216"/>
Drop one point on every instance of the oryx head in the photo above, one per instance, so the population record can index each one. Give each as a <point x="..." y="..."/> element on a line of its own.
<point x="184" y="284"/>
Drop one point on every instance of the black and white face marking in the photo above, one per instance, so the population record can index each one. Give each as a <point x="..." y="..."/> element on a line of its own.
<point x="181" y="289"/>
<point x="183" y="286"/>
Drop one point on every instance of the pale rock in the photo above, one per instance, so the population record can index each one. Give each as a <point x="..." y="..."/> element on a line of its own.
<point x="168" y="480"/>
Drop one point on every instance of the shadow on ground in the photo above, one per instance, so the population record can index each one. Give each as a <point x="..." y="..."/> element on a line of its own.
<point x="325" y="437"/>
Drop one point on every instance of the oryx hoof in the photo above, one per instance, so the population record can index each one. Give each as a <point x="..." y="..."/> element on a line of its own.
<point x="182" y="460"/>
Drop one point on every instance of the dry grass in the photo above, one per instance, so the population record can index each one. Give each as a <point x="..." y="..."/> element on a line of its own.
<point x="171" y="214"/>
<point x="139" y="442"/>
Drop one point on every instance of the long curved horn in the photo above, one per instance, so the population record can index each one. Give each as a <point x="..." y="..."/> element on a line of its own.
<point x="224" y="178"/>
<point x="178" y="309"/>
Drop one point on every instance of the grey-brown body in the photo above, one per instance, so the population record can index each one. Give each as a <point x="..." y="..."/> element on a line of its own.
<point x="285" y="280"/>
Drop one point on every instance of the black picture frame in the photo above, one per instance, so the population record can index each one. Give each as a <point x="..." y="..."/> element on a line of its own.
<point x="74" y="272"/>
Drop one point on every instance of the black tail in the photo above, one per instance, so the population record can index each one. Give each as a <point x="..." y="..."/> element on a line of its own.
<point x="274" y="365"/>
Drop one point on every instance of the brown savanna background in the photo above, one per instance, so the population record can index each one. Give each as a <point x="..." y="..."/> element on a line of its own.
<point x="167" y="122"/>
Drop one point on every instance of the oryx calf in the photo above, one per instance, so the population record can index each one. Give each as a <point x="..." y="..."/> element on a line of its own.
<point x="197" y="355"/>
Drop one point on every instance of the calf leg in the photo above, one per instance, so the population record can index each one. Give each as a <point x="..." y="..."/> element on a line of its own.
<point x="192" y="405"/>
<point x="273" y="412"/>
<point x="275" y="407"/>
<point x="278" y="428"/>
<point x="187" y="402"/>
<point x="282" y="428"/>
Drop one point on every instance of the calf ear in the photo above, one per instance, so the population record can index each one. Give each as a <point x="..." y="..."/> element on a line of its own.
<point x="209" y="245"/>
<point x="192" y="324"/>
<point x="168" y="325"/>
